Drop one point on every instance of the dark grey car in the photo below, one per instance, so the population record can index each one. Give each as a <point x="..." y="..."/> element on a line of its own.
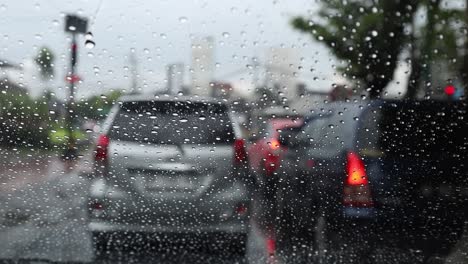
<point x="169" y="165"/>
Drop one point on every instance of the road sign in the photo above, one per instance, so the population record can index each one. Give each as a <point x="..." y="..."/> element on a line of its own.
<point x="76" y="24"/>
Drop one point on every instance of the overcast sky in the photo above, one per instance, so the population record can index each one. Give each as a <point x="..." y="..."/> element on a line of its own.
<point x="160" y="33"/>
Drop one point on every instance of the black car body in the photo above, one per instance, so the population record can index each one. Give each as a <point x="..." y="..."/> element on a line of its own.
<point x="382" y="167"/>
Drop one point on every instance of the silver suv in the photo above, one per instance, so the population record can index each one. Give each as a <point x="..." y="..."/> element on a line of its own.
<point x="169" y="165"/>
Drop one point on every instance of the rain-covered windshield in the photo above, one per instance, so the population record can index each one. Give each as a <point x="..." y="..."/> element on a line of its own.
<point x="259" y="132"/>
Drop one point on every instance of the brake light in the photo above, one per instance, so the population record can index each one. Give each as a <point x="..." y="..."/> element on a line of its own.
<point x="101" y="148"/>
<point x="240" y="155"/>
<point x="274" y="144"/>
<point x="356" y="191"/>
<point x="356" y="170"/>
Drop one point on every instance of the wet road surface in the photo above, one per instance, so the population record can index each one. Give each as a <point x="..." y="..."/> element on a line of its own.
<point x="43" y="216"/>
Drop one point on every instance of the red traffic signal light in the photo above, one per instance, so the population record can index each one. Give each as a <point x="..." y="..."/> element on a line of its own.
<point x="450" y="90"/>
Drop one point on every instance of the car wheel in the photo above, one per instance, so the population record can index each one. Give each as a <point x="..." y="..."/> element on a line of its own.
<point x="103" y="243"/>
<point x="293" y="230"/>
<point x="332" y="240"/>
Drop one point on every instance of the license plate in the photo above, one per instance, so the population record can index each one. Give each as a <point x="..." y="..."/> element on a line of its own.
<point x="173" y="182"/>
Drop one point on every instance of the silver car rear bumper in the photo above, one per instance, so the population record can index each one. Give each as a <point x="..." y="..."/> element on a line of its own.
<point x="238" y="227"/>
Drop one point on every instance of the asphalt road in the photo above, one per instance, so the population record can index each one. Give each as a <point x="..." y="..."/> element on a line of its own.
<point x="43" y="216"/>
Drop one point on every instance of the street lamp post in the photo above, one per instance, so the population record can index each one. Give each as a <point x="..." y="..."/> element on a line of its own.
<point x="74" y="25"/>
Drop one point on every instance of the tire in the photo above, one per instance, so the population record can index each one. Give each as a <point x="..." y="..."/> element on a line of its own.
<point x="294" y="229"/>
<point x="104" y="243"/>
<point x="100" y="244"/>
<point x="334" y="239"/>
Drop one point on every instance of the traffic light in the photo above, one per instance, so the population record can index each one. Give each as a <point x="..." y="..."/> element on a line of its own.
<point x="450" y="90"/>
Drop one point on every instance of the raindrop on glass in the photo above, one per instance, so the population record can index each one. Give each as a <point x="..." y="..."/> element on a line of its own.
<point x="89" y="44"/>
<point x="89" y="35"/>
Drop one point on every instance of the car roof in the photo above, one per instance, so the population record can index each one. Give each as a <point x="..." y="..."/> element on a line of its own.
<point x="167" y="97"/>
<point x="279" y="123"/>
<point x="356" y="108"/>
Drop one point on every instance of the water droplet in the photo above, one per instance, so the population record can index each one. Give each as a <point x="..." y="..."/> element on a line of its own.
<point x="183" y="19"/>
<point x="374" y="33"/>
<point x="163" y="36"/>
<point x="226" y="34"/>
<point x="55" y="22"/>
<point x="183" y="120"/>
<point x="89" y="35"/>
<point x="202" y="118"/>
<point x="89" y="44"/>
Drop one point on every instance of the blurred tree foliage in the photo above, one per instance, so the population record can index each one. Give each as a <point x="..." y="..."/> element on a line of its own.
<point x="434" y="39"/>
<point x="23" y="121"/>
<point x="97" y="107"/>
<point x="367" y="35"/>
<point x="45" y="61"/>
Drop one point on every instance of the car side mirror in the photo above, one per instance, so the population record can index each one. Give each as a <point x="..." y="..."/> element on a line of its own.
<point x="253" y="137"/>
<point x="288" y="138"/>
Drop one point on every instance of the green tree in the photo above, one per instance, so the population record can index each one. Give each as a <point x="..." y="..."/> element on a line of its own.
<point x="366" y="35"/>
<point x="433" y="40"/>
<point x="98" y="106"/>
<point x="464" y="68"/>
<point x="45" y="61"/>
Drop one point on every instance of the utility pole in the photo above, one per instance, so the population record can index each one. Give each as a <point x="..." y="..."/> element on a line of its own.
<point x="134" y="65"/>
<point x="255" y="72"/>
<point x="74" y="25"/>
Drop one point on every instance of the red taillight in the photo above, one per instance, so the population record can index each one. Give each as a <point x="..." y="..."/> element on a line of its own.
<point x="240" y="155"/>
<point x="101" y="148"/>
<point x="96" y="206"/>
<point x="356" y="170"/>
<point x="241" y="209"/>
<point x="356" y="187"/>
<point x="274" y="144"/>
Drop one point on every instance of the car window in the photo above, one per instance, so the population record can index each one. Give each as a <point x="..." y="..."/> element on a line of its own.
<point x="422" y="130"/>
<point x="172" y="123"/>
<point x="324" y="133"/>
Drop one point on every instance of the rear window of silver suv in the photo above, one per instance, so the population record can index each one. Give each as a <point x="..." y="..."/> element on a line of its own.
<point x="172" y="122"/>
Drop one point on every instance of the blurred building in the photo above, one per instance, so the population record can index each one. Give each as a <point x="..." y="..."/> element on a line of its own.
<point x="221" y="90"/>
<point x="175" y="78"/>
<point x="8" y="83"/>
<point x="202" y="66"/>
<point x="281" y="66"/>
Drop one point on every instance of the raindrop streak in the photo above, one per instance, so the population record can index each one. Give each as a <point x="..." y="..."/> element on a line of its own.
<point x="89" y="44"/>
